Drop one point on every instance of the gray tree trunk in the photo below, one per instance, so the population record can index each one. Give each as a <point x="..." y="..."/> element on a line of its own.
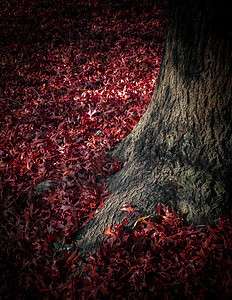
<point x="180" y="153"/>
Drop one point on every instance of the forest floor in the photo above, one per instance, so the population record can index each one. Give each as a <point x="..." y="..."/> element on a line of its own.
<point x="75" y="79"/>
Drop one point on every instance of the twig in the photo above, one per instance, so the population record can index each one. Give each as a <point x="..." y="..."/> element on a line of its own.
<point x="35" y="92"/>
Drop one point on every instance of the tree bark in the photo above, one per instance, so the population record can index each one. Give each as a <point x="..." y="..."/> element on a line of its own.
<point x="180" y="151"/>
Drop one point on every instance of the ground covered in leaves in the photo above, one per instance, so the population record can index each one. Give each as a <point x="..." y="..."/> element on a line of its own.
<point x="76" y="76"/>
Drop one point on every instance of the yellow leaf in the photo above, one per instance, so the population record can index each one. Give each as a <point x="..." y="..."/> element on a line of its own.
<point x="140" y="219"/>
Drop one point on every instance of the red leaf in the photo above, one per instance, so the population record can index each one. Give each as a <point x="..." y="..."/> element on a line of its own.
<point x="101" y="204"/>
<point x="109" y="231"/>
<point x="127" y="207"/>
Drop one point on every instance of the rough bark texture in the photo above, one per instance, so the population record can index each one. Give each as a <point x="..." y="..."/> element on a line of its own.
<point x="180" y="151"/>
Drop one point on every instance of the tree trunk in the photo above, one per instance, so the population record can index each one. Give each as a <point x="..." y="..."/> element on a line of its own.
<point x="180" y="151"/>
